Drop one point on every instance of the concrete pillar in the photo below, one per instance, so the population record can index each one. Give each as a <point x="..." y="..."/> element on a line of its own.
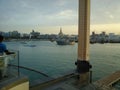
<point x="83" y="65"/>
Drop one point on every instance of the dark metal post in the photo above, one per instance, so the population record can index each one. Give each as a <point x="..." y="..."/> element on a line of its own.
<point x="0" y="74"/>
<point x="18" y="64"/>
<point x="90" y="76"/>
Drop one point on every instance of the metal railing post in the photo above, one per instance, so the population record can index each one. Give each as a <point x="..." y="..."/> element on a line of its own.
<point x="18" y="64"/>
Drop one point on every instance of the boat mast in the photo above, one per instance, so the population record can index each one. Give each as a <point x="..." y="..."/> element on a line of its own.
<point x="83" y="65"/>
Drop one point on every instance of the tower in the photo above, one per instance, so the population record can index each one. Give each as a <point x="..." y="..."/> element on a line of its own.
<point x="60" y="33"/>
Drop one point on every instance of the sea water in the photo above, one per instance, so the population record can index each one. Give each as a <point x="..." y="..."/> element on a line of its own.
<point x="55" y="60"/>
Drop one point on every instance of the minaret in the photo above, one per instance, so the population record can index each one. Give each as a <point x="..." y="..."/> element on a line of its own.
<point x="60" y="33"/>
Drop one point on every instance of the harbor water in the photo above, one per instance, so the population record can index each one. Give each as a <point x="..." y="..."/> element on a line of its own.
<point x="55" y="60"/>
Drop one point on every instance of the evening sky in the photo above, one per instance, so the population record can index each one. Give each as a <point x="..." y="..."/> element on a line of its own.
<point x="47" y="16"/>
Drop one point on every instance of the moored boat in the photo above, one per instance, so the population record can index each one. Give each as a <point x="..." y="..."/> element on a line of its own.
<point x="65" y="42"/>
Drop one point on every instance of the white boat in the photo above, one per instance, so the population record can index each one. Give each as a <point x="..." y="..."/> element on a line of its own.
<point x="65" y="42"/>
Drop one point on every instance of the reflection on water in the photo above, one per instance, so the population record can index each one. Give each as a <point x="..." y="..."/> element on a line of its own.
<point x="55" y="60"/>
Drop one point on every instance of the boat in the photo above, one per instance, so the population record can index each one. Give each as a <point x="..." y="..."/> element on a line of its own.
<point x="62" y="42"/>
<point x="65" y="42"/>
<point x="71" y="42"/>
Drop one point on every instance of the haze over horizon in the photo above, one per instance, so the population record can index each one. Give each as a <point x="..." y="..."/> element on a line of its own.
<point x="47" y="16"/>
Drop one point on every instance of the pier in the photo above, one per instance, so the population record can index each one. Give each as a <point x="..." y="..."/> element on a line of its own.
<point x="69" y="82"/>
<point x="105" y="83"/>
<point x="108" y="81"/>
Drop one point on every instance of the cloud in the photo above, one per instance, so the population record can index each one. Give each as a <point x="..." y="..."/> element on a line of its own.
<point x="105" y="12"/>
<point x="61" y="2"/>
<point x="111" y="16"/>
<point x="65" y="17"/>
<point x="67" y="13"/>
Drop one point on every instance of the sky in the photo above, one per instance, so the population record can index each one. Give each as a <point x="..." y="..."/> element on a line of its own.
<point x="47" y="16"/>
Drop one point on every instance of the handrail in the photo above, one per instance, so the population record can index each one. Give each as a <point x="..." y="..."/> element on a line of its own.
<point x="29" y="69"/>
<point x="5" y="55"/>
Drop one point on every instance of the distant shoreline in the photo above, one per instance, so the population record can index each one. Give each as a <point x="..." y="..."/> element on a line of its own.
<point x="24" y="40"/>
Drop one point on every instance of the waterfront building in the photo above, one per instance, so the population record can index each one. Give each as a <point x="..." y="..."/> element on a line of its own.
<point x="34" y="35"/>
<point x="5" y="34"/>
<point x="93" y="38"/>
<point x="1" y="32"/>
<point x="14" y="34"/>
<point x="114" y="38"/>
<point x="25" y="36"/>
<point x="99" y="38"/>
<point x="102" y="37"/>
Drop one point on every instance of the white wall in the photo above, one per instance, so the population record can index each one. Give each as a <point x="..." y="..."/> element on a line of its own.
<point x="22" y="86"/>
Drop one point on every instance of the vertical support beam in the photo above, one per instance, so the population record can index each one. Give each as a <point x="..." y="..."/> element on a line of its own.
<point x="83" y="30"/>
<point x="83" y="65"/>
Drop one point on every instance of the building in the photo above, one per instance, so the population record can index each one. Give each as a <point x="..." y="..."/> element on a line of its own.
<point x="114" y="38"/>
<point x="34" y="35"/>
<point x="99" y="38"/>
<point x="14" y="34"/>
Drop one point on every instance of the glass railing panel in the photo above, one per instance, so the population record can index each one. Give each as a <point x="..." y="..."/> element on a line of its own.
<point x="14" y="63"/>
<point x="34" y="76"/>
<point x="7" y="70"/>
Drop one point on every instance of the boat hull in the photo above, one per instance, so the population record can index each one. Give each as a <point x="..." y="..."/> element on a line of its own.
<point x="65" y="42"/>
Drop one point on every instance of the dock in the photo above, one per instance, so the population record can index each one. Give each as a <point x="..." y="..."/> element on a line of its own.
<point x="68" y="82"/>
<point x="108" y="81"/>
